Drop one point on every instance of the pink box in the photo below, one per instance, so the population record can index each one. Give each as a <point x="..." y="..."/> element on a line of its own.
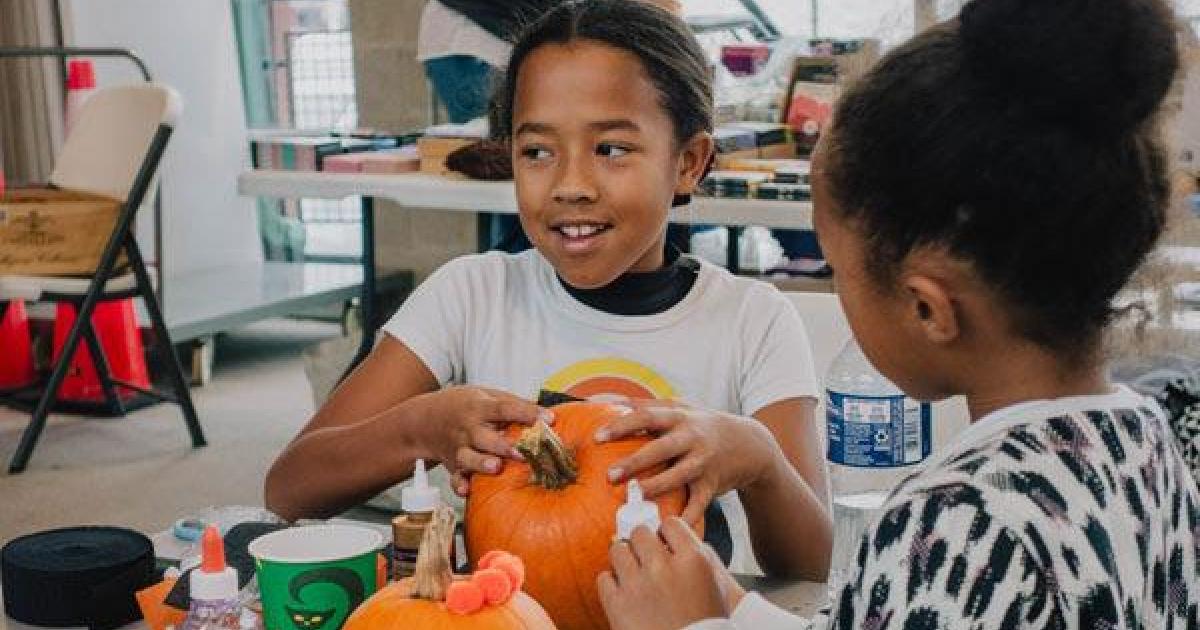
<point x="404" y="160"/>
<point x="344" y="163"/>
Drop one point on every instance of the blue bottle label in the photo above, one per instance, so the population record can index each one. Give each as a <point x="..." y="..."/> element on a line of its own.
<point x="877" y="431"/>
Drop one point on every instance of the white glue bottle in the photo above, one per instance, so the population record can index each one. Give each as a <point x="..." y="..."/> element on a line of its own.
<point x="214" y="589"/>
<point x="636" y="511"/>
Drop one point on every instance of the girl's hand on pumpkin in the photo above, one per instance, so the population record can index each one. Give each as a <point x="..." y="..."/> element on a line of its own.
<point x="465" y="429"/>
<point x="655" y="586"/>
<point x="709" y="452"/>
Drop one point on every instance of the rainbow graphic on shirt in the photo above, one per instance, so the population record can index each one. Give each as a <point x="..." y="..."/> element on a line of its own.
<point x="610" y="375"/>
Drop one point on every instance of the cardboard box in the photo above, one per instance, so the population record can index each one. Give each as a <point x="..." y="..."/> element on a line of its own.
<point x="816" y="82"/>
<point x="784" y="151"/>
<point x="50" y="232"/>
<point x="433" y="152"/>
<point x="397" y="161"/>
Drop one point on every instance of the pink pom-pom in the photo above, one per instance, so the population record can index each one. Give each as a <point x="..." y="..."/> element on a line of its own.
<point x="514" y="568"/>
<point x="496" y="585"/>
<point x="464" y="598"/>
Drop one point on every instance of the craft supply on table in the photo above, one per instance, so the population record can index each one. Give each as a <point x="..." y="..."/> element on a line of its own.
<point x="214" y="589"/>
<point x="236" y="543"/>
<point x="636" y="511"/>
<point x="783" y="192"/>
<point x="419" y="501"/>
<point x="317" y="574"/>
<point x="734" y="183"/>
<point x="160" y="615"/>
<point x="189" y="529"/>
<point x="311" y="153"/>
<point x="77" y="576"/>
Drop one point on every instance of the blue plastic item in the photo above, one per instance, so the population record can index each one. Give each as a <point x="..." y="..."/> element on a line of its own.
<point x="189" y="529"/>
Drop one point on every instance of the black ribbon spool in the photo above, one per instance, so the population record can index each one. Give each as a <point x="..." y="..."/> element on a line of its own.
<point x="78" y="576"/>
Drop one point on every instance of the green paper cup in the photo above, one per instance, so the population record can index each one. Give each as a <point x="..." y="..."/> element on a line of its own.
<point x="312" y="578"/>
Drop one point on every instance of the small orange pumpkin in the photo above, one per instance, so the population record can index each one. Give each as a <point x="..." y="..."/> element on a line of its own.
<point x="420" y="602"/>
<point x="557" y="510"/>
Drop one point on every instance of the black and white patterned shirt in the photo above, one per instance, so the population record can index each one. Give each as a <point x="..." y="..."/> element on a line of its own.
<point x="1068" y="513"/>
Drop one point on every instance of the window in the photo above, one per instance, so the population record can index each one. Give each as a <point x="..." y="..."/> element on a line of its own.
<point x="298" y="73"/>
<point x="889" y="20"/>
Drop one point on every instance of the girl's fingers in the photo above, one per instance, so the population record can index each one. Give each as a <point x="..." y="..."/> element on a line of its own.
<point x="460" y="483"/>
<point x="489" y="440"/>
<point x="643" y="419"/>
<point x="679" y="474"/>
<point x="679" y="537"/>
<point x="655" y="453"/>
<point x="623" y="562"/>
<point x="700" y="495"/>
<point x="468" y="460"/>
<point x="506" y="407"/>
<point x="646" y="546"/>
<point x="606" y="584"/>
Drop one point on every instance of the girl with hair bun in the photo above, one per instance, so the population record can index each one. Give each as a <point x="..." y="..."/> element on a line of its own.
<point x="984" y="193"/>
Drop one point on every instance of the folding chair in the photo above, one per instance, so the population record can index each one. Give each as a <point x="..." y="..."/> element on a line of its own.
<point x="114" y="149"/>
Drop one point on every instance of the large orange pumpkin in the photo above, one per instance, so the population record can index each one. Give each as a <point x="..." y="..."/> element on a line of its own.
<point x="556" y="512"/>
<point x="421" y="602"/>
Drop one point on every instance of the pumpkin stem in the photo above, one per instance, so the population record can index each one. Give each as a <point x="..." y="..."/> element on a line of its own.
<point x="433" y="572"/>
<point x="552" y="463"/>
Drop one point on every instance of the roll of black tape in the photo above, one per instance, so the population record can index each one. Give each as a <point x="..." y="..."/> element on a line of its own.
<point x="79" y="576"/>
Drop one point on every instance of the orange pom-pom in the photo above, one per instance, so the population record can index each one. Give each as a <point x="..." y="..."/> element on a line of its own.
<point x="464" y="597"/>
<point x="513" y="567"/>
<point x="496" y="585"/>
<point x="488" y="558"/>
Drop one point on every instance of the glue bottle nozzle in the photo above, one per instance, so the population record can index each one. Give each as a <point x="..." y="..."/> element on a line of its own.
<point x="420" y="477"/>
<point x="420" y="496"/>
<point x="212" y="551"/>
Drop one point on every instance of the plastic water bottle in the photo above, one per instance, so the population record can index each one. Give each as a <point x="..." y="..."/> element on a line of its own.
<point x="876" y="436"/>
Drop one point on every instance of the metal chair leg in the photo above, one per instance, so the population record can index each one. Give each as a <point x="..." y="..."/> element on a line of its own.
<point x="162" y="343"/>
<point x="103" y="371"/>
<point x="37" y="421"/>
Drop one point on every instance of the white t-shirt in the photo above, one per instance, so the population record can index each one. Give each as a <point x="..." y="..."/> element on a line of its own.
<point x="444" y="32"/>
<point x="505" y="321"/>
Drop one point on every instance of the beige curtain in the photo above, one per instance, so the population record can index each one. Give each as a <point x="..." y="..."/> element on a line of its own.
<point x="30" y="92"/>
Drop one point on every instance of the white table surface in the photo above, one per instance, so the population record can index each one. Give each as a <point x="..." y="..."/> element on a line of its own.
<point x="423" y="190"/>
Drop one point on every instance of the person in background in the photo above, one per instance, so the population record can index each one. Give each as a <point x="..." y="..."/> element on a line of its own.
<point x="978" y="248"/>
<point x="464" y="45"/>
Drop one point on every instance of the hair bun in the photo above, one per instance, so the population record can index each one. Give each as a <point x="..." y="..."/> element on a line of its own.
<point x="1102" y="65"/>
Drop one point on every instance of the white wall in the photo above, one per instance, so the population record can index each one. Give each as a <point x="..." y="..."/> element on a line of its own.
<point x="189" y="45"/>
